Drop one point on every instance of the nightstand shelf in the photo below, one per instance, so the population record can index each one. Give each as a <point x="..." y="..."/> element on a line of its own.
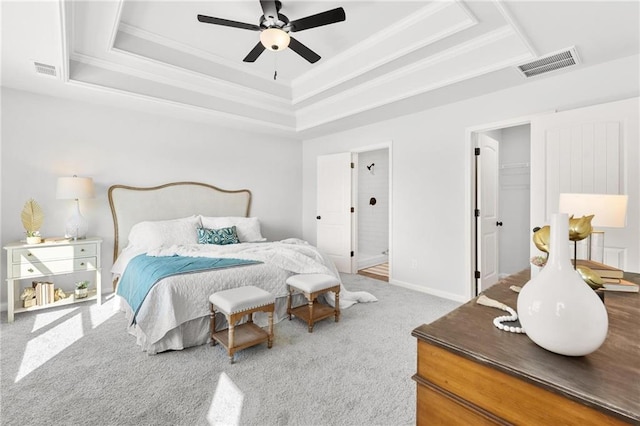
<point x="69" y="300"/>
<point x="33" y="261"/>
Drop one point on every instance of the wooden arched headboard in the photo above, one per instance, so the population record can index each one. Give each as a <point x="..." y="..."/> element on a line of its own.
<point x="130" y="205"/>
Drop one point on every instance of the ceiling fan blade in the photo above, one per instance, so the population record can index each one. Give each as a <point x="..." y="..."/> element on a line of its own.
<point x="227" y="23"/>
<point x="269" y="9"/>
<point x="303" y="51"/>
<point x="325" y="18"/>
<point x="255" y="52"/>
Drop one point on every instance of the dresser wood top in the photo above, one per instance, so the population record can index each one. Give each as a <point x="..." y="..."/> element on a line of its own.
<point x="607" y="379"/>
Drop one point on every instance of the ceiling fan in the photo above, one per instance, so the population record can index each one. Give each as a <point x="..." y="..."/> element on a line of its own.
<point x="275" y="27"/>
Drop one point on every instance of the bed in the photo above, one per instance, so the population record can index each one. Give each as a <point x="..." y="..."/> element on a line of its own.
<point x="162" y="222"/>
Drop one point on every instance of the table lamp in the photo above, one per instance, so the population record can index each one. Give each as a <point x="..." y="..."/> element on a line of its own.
<point x="609" y="211"/>
<point x="75" y="188"/>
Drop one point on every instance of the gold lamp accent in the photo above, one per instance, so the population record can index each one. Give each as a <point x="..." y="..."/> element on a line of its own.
<point x="579" y="229"/>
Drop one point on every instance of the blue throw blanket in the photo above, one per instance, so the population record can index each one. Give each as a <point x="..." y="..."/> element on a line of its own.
<point x="143" y="272"/>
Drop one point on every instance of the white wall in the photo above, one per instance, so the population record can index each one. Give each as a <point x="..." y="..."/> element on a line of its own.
<point x="44" y="138"/>
<point x="431" y="162"/>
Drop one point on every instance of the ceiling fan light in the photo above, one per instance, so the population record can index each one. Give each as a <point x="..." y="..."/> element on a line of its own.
<point x="274" y="39"/>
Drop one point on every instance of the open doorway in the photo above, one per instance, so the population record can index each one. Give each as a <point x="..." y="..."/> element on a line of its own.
<point x="373" y="201"/>
<point x="502" y="203"/>
<point x="354" y="210"/>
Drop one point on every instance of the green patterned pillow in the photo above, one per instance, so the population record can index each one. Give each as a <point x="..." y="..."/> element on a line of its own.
<point x="220" y="237"/>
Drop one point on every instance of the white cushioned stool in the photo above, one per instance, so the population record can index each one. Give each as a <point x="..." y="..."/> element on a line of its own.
<point x="235" y="303"/>
<point x="313" y="285"/>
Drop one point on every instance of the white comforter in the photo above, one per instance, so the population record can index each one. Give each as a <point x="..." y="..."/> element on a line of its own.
<point x="174" y="313"/>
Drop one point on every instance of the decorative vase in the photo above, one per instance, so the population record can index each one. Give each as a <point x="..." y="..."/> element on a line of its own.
<point x="557" y="309"/>
<point x="81" y="293"/>
<point x="34" y="240"/>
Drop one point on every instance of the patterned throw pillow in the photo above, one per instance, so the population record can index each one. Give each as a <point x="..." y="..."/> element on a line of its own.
<point x="220" y="237"/>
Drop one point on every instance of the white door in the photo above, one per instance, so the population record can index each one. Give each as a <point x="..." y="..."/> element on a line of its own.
<point x="489" y="222"/>
<point x="334" y="209"/>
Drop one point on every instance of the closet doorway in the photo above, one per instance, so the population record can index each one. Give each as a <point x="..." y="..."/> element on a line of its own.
<point x="502" y="203"/>
<point x="372" y="192"/>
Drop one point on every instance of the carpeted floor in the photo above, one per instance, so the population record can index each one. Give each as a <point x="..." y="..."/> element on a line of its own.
<point x="77" y="366"/>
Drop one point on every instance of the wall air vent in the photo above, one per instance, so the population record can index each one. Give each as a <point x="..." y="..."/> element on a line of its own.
<point x="551" y="62"/>
<point x="45" y="69"/>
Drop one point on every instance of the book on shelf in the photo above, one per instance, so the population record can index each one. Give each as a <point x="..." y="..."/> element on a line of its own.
<point x="57" y="240"/>
<point x="604" y="271"/>
<point x="44" y="292"/>
<point x="621" y="285"/>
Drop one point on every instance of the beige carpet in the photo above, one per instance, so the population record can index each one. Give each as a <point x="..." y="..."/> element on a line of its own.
<point x="76" y="366"/>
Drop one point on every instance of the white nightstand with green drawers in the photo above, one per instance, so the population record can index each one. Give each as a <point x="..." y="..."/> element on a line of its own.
<point x="26" y="261"/>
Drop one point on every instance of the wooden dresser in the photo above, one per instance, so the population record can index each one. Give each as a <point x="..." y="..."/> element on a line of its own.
<point x="469" y="372"/>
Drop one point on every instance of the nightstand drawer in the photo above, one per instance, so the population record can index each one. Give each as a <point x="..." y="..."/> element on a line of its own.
<point x="38" y="269"/>
<point x="41" y="254"/>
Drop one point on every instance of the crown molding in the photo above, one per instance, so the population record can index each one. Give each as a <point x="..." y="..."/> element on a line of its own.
<point x="221" y="117"/>
<point x="198" y="53"/>
<point x="115" y="24"/>
<point x="499" y="4"/>
<point x="336" y="107"/>
<point x="458" y="50"/>
<point x="179" y="83"/>
<point x="66" y="35"/>
<point x="218" y="87"/>
<point x="397" y="31"/>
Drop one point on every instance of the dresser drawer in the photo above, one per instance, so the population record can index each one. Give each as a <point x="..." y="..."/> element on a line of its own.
<point x="41" y="254"/>
<point x="435" y="407"/>
<point x="38" y="269"/>
<point x="503" y="395"/>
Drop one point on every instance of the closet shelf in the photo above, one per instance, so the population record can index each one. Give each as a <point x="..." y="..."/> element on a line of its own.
<point x="514" y="166"/>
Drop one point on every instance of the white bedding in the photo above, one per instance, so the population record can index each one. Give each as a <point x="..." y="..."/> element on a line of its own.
<point x="175" y="313"/>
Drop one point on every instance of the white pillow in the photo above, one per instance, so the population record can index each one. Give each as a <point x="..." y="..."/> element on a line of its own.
<point x="248" y="228"/>
<point x="155" y="234"/>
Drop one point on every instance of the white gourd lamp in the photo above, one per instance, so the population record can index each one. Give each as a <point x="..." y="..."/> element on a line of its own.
<point x="75" y="188"/>
<point x="609" y="211"/>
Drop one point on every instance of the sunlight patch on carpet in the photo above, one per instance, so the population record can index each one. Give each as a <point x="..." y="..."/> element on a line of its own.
<point x="44" y="319"/>
<point x="44" y="347"/>
<point x="226" y="406"/>
<point x="100" y="314"/>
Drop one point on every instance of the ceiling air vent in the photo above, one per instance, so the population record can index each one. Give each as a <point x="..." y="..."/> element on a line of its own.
<point x="552" y="62"/>
<point x="45" y="69"/>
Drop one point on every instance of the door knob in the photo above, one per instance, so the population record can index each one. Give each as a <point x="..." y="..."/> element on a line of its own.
<point x="498" y="223"/>
<point x="318" y="217"/>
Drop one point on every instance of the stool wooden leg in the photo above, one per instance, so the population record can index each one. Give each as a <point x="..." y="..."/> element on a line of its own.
<point x="310" y="313"/>
<point x="212" y="324"/>
<point x="270" y="340"/>
<point x="231" y="337"/>
<point x="289" y="302"/>
<point x="337" y="307"/>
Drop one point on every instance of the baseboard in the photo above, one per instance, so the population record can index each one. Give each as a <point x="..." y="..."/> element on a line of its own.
<point x="432" y="292"/>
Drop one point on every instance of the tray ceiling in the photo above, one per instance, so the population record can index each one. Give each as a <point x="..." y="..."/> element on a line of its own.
<point x="156" y="54"/>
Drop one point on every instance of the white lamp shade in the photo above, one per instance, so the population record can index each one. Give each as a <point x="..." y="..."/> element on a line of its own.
<point x="609" y="210"/>
<point x="74" y="188"/>
<point x="274" y="39"/>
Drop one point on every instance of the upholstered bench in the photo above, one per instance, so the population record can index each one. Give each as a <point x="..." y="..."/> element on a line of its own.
<point x="312" y="286"/>
<point x="235" y="304"/>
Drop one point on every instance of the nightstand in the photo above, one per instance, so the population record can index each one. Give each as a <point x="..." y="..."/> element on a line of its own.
<point x="26" y="261"/>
